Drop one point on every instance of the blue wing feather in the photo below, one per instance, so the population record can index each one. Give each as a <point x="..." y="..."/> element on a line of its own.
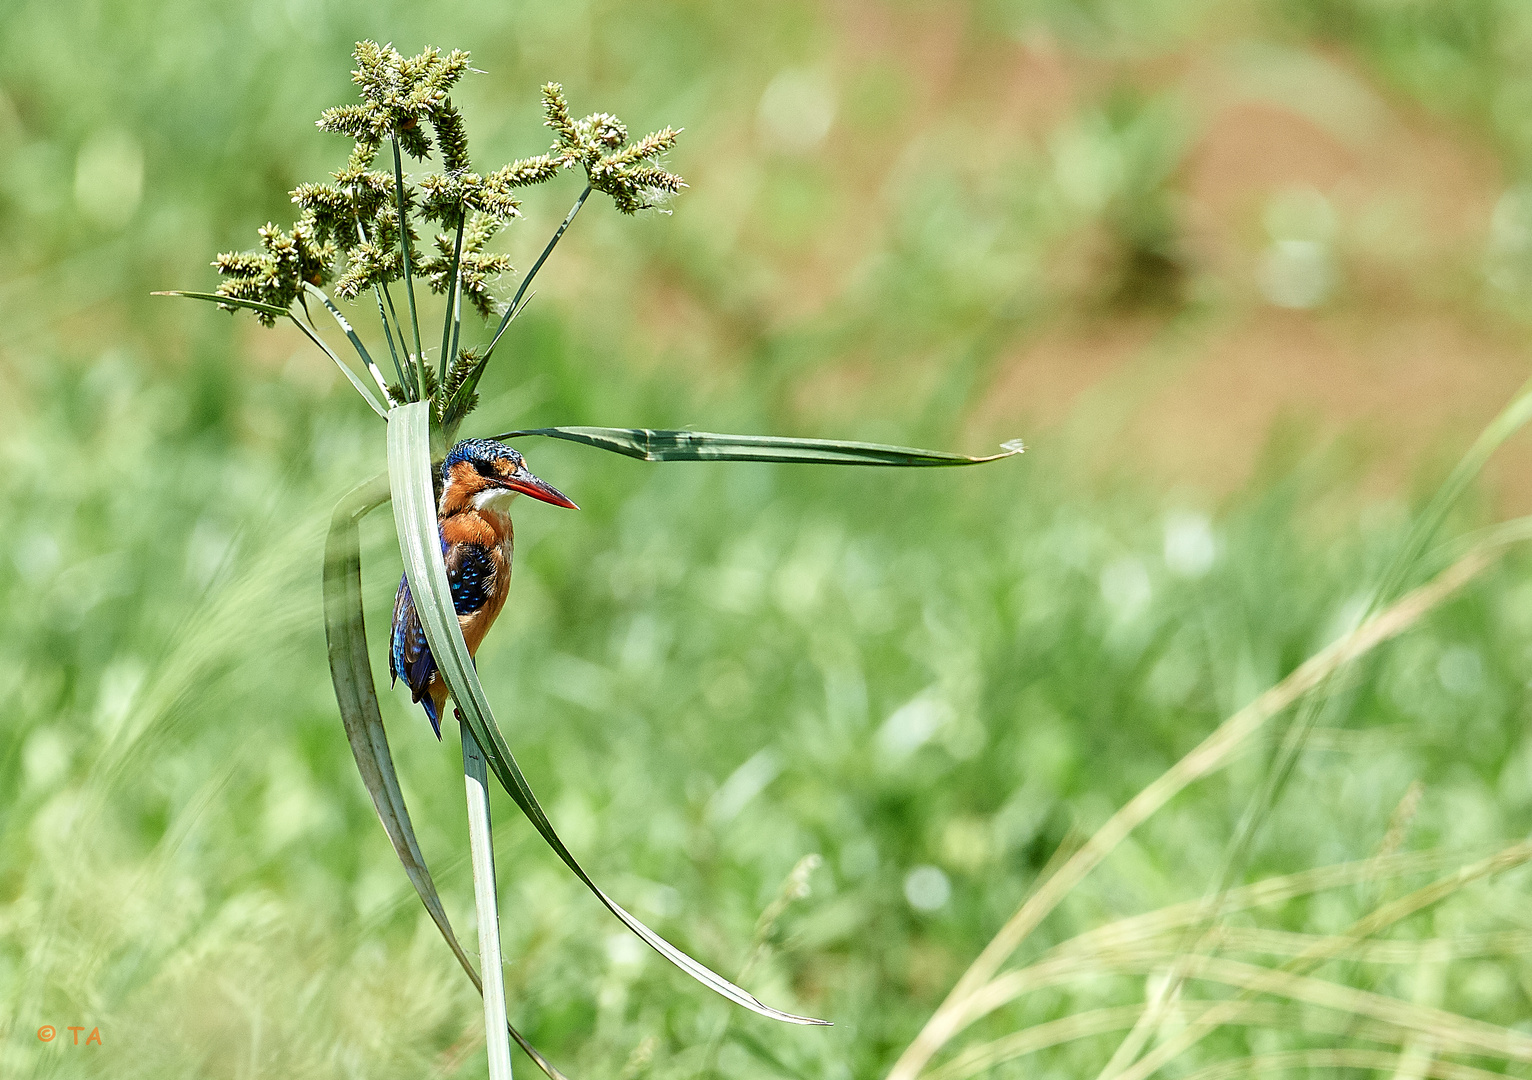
<point x="470" y="574"/>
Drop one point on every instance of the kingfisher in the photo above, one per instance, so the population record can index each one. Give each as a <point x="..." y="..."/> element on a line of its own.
<point x="480" y="477"/>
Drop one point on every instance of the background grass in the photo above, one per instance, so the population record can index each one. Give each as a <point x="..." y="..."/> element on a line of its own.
<point x="1018" y="219"/>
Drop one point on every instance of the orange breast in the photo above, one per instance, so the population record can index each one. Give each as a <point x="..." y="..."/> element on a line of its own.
<point x="472" y="527"/>
<point x="492" y="531"/>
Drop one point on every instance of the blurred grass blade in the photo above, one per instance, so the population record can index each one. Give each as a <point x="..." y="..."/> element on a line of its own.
<point x="1330" y="947"/>
<point x="226" y="301"/>
<point x="1405" y="1064"/>
<point x="1401" y="569"/>
<point x="1208" y="756"/>
<point x="1138" y="929"/>
<point x="1508" y="422"/>
<point x="409" y="469"/>
<point x="356" y="694"/>
<point x="1108" y="949"/>
<point x="1274" y="1015"/>
<point x="1453" y="1031"/>
<point x="650" y="445"/>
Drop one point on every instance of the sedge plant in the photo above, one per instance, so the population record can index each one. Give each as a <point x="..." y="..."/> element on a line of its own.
<point x="358" y="244"/>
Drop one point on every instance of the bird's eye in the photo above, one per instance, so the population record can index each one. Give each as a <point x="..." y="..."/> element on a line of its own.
<point x="484" y="468"/>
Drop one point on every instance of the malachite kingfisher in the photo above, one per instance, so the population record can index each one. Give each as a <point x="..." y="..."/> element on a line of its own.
<point x="480" y="477"/>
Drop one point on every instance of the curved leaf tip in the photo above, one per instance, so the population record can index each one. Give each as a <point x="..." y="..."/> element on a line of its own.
<point x="650" y="444"/>
<point x="409" y="468"/>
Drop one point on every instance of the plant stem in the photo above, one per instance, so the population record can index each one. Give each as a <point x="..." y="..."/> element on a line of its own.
<point x="457" y="316"/>
<point x="404" y="384"/>
<point x="409" y="275"/>
<point x="510" y="312"/>
<point x="399" y="329"/>
<point x="482" y="848"/>
<point x="453" y="288"/>
<point x="383" y="318"/>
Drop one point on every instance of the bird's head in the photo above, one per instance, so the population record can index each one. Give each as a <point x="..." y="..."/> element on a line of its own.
<point x="487" y="475"/>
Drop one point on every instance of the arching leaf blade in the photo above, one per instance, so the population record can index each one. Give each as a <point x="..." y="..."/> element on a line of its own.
<point x="226" y="301"/>
<point x="373" y="401"/>
<point x="356" y="694"/>
<point x="649" y="444"/>
<point x="409" y="467"/>
<point x="351" y="335"/>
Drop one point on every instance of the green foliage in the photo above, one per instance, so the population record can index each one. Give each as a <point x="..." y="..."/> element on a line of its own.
<point x="400" y="95"/>
<point x="458" y="398"/>
<point x="706" y="662"/>
<point x="686" y="621"/>
<point x="477" y="268"/>
<point x="360" y="230"/>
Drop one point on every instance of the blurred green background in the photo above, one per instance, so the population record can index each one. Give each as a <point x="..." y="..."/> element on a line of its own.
<point x="1247" y="277"/>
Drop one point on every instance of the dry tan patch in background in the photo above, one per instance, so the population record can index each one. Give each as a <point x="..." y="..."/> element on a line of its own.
<point x="1406" y="353"/>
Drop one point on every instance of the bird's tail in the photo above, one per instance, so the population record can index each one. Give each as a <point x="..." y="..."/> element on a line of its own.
<point x="432" y="707"/>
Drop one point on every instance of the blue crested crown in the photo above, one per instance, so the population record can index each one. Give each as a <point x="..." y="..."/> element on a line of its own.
<point x="477" y="450"/>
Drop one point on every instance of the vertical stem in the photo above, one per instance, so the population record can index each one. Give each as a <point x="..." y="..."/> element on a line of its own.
<point x="457" y="313"/>
<point x="481" y="845"/>
<point x="404" y="384"/>
<point x="454" y="285"/>
<point x="414" y="376"/>
<point x="409" y="275"/>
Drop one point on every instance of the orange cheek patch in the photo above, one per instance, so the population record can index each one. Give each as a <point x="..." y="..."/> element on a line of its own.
<point x="463" y="483"/>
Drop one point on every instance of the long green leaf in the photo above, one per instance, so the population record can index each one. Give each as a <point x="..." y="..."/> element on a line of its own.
<point x="409" y="471"/>
<point x="373" y="401"/>
<point x="227" y="301"/>
<point x="650" y="445"/>
<point x="486" y="904"/>
<point x="362" y="388"/>
<point x="351" y="334"/>
<point x="355" y="692"/>
<point x="514" y="307"/>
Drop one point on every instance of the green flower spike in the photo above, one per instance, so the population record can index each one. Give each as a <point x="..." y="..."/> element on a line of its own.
<point x="596" y="143"/>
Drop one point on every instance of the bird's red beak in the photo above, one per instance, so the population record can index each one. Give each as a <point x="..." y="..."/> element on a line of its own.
<point x="524" y="482"/>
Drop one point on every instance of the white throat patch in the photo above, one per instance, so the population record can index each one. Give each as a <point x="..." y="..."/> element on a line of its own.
<point x="495" y="499"/>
